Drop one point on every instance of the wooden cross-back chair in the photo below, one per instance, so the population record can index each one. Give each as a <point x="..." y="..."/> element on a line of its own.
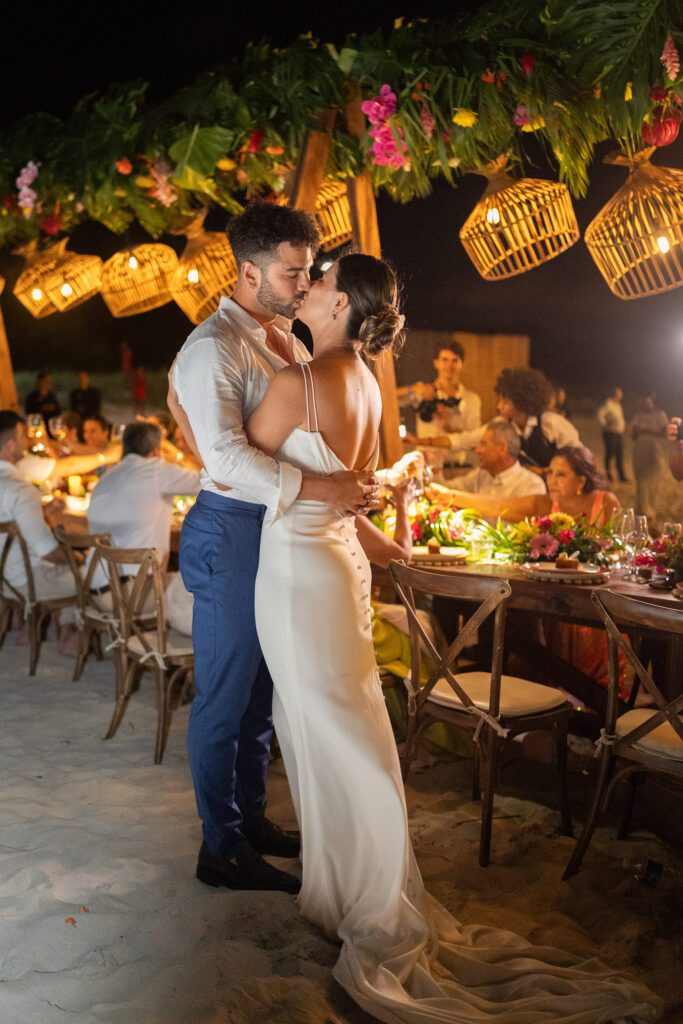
<point x="94" y="612"/>
<point x="23" y="601"/>
<point x="644" y="739"/>
<point x="167" y="654"/>
<point x="494" y="706"/>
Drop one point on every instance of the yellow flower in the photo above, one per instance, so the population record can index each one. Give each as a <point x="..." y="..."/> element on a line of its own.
<point x="628" y="92"/>
<point x="562" y="520"/>
<point x="465" y="118"/>
<point x="533" y="126"/>
<point x="144" y="182"/>
<point x="226" y="164"/>
<point x="521" y="533"/>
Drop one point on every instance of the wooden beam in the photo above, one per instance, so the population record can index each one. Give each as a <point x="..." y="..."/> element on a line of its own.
<point x="310" y="169"/>
<point x="366" y="236"/>
<point x="8" y="388"/>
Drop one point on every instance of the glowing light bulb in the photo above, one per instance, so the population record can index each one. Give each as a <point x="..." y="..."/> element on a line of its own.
<point x="193" y="275"/>
<point x="402" y="431"/>
<point x="493" y="215"/>
<point x="36" y="295"/>
<point x="66" y="290"/>
<point x="133" y="263"/>
<point x="326" y="265"/>
<point x="663" y="244"/>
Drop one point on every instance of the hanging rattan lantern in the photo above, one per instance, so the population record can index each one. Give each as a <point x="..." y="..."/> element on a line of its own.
<point x="56" y="279"/>
<point x="518" y="224"/>
<point x="139" y="279"/>
<point x="333" y="214"/>
<point x="206" y="270"/>
<point x="637" y="238"/>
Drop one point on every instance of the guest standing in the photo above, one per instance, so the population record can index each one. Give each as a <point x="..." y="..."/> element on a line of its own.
<point x="42" y="400"/>
<point x="649" y="432"/>
<point x="448" y="413"/>
<point x="84" y="399"/>
<point x="523" y="397"/>
<point x="611" y="419"/>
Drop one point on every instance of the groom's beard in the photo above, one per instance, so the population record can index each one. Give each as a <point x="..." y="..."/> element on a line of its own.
<point x="270" y="300"/>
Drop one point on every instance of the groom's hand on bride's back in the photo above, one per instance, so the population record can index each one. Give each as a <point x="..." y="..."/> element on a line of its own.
<point x="350" y="491"/>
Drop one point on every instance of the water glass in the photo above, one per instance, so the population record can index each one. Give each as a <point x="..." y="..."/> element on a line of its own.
<point x="671" y="532"/>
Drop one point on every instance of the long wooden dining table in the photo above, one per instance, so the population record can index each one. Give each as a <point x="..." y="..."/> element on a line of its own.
<point x="567" y="602"/>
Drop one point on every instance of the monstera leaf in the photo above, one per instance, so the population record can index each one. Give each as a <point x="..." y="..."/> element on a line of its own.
<point x="199" y="151"/>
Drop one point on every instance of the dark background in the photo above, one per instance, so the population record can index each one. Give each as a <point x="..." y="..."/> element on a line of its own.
<point x="581" y="334"/>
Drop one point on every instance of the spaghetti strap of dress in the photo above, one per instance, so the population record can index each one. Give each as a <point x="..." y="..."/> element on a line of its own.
<point x="311" y="408"/>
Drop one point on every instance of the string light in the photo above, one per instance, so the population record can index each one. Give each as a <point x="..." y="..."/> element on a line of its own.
<point x="133" y="263"/>
<point x="36" y="294"/>
<point x="193" y="276"/>
<point x="493" y="215"/>
<point x="66" y="290"/>
<point x="663" y="244"/>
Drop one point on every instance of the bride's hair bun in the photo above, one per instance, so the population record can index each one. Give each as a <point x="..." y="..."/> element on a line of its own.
<point x="381" y="330"/>
<point x="374" y="317"/>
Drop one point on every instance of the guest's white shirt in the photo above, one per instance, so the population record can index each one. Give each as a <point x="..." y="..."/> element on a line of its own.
<point x="611" y="416"/>
<point x="515" y="482"/>
<point x="461" y="424"/>
<point x="220" y="375"/>
<point x="20" y="503"/>
<point x="35" y="468"/>
<point x="134" y="503"/>
<point x="556" y="428"/>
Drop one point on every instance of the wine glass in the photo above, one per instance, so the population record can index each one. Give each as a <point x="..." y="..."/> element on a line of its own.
<point x="625" y="527"/>
<point x="117" y="432"/>
<point x="35" y="426"/>
<point x="671" y="532"/>
<point x="636" y="539"/>
<point x="57" y="427"/>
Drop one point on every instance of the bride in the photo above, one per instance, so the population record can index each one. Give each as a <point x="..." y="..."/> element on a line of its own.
<point x="403" y="958"/>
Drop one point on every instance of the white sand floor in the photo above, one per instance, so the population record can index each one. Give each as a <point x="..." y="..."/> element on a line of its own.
<point x="102" y="920"/>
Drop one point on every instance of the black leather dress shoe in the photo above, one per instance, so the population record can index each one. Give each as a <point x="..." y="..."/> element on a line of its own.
<point x="246" y="870"/>
<point x="274" y="841"/>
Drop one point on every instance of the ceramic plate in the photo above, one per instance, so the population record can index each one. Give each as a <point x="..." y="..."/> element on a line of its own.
<point x="447" y="556"/>
<point x="550" y="574"/>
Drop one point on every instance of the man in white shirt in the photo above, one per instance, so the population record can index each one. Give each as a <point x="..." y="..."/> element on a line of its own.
<point x="448" y="413"/>
<point x="134" y="501"/>
<point x="611" y="419"/>
<point x="20" y="503"/>
<point x="219" y="377"/>
<point x="499" y="470"/>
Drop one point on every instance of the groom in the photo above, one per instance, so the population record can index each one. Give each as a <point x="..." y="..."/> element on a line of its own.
<point x="219" y="377"/>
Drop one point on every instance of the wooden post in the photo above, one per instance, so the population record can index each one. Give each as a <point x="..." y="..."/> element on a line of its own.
<point x="366" y="236"/>
<point x="310" y="168"/>
<point x="8" y="389"/>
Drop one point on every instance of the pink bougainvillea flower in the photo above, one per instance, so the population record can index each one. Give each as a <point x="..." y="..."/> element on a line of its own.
<point x="543" y="546"/>
<point x="123" y="166"/>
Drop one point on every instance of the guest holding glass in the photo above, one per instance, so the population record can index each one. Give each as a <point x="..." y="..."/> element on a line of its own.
<point x="42" y="400"/>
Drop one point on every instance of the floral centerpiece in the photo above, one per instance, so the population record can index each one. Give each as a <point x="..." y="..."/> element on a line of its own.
<point x="430" y="521"/>
<point x="544" y="538"/>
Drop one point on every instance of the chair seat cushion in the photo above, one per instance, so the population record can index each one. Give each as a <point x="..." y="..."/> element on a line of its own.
<point x="663" y="741"/>
<point x="518" y="697"/>
<point x="177" y="645"/>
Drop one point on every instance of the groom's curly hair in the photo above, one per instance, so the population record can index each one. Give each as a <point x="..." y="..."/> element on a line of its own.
<point x="255" y="234"/>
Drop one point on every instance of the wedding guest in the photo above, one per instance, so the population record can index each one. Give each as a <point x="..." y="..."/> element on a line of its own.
<point x="20" y="503"/>
<point x="500" y="471"/>
<point x="523" y="396"/>
<point x="139" y="390"/>
<point x="648" y="430"/>
<point x="448" y="413"/>
<point x="134" y="501"/>
<point x="611" y="419"/>
<point x="673" y="431"/>
<point x="558" y="401"/>
<point x="96" y="433"/>
<point x="42" y="400"/>
<point x="84" y="399"/>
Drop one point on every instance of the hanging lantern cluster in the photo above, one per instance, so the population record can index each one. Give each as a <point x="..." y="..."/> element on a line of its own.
<point x="206" y="270"/>
<point x="518" y="224"/>
<point x="57" y="279"/>
<point x="139" y="279"/>
<point x="637" y="238"/>
<point x="333" y="214"/>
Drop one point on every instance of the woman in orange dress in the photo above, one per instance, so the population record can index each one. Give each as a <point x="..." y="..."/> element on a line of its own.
<point x="574" y="487"/>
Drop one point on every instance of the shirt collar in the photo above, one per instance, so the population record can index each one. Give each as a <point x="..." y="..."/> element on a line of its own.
<point x="249" y="324"/>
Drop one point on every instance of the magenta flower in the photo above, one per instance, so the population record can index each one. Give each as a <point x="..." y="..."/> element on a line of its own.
<point x="428" y="121"/>
<point x="544" y="523"/>
<point x="543" y="546"/>
<point x="386" y="151"/>
<point x="521" y="115"/>
<point x="566" y="536"/>
<point x="380" y="108"/>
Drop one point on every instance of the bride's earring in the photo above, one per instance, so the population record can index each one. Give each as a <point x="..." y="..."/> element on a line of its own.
<point x="334" y="316"/>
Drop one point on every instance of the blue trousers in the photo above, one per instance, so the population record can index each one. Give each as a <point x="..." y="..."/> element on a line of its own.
<point x="231" y="722"/>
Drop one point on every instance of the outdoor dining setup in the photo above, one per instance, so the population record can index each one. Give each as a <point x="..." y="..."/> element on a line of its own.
<point x="395" y="577"/>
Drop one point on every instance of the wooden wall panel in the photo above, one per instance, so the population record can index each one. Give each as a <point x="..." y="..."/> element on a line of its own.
<point x="8" y="390"/>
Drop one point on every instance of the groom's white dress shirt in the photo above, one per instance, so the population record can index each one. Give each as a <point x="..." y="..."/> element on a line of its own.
<point x="220" y="375"/>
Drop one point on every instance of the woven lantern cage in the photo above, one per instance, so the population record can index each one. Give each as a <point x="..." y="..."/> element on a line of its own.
<point x="518" y="224"/>
<point x="637" y="238"/>
<point x="56" y="279"/>
<point x="206" y="270"/>
<point x="333" y="214"/>
<point x="139" y="279"/>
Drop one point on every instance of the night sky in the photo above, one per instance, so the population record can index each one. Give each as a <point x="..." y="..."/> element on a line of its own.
<point x="580" y="333"/>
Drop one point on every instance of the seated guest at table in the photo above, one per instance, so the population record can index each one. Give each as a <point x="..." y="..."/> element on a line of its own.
<point x="52" y="466"/>
<point x="84" y="399"/>
<point x="96" y="432"/>
<point x="171" y="450"/>
<point x="71" y="443"/>
<point x="448" y="413"/>
<point x="523" y="397"/>
<point x="20" y="503"/>
<point x="134" y="501"/>
<point x="500" y="472"/>
<point x="42" y="400"/>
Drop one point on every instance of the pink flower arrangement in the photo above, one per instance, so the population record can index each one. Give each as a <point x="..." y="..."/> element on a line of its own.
<point x="387" y="151"/>
<point x="543" y="545"/>
<point x="380" y="108"/>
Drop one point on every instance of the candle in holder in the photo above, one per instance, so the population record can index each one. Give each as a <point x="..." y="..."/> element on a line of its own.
<point x="74" y="485"/>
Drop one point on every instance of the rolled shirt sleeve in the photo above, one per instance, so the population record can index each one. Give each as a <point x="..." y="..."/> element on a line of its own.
<point x="211" y="389"/>
<point x="28" y="514"/>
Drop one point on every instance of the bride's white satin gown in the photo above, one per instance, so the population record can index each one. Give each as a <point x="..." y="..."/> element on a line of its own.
<point x="404" y="958"/>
